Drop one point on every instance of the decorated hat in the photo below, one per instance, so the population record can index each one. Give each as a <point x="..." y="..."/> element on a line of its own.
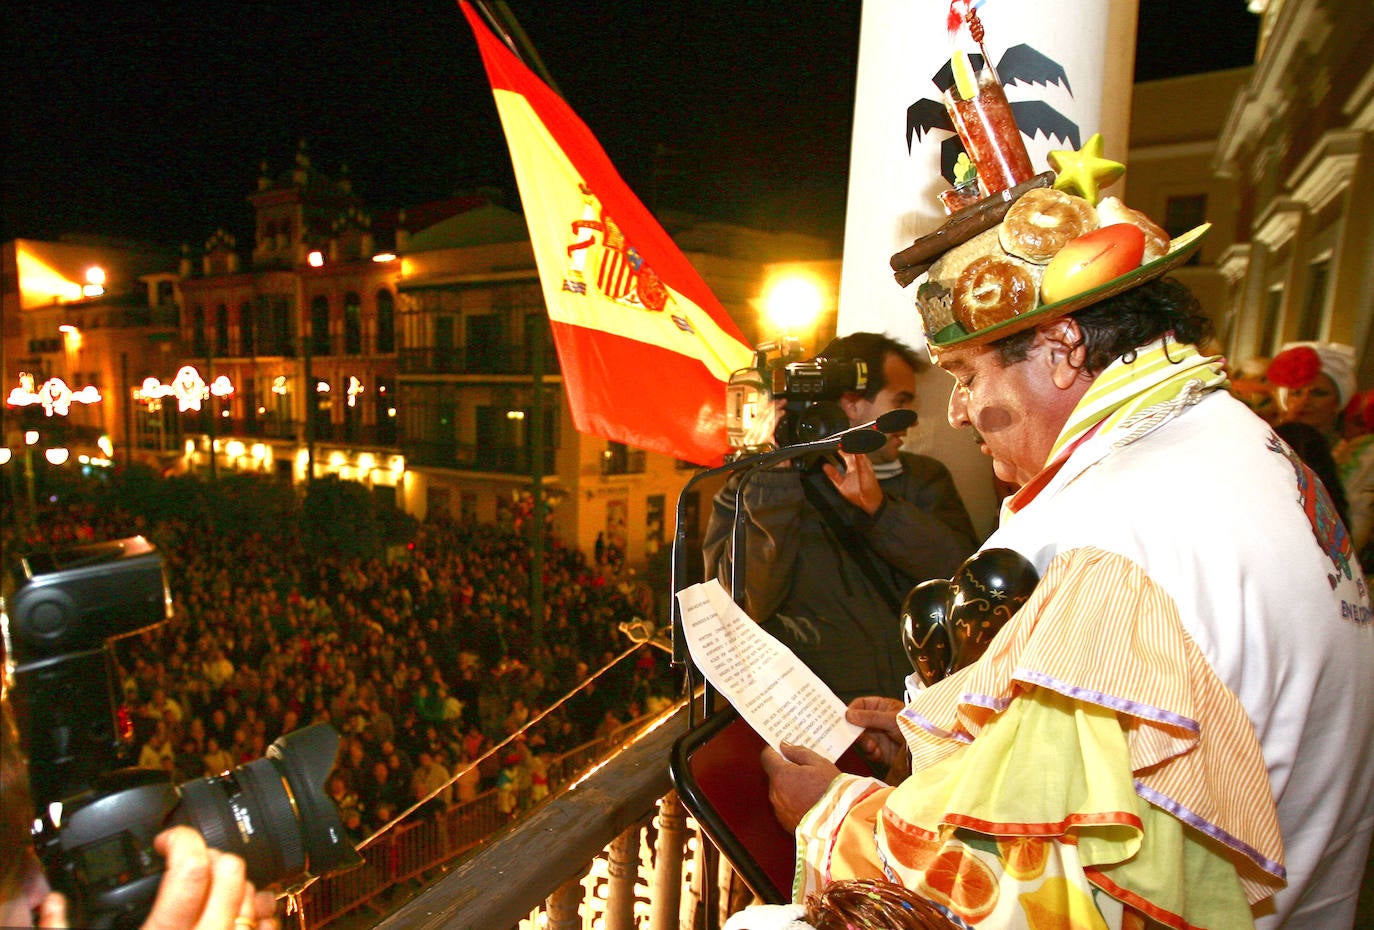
<point x="1026" y="248"/>
<point x="1298" y="364"/>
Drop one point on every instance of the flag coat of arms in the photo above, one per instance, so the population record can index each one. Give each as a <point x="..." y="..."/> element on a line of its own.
<point x="645" y="348"/>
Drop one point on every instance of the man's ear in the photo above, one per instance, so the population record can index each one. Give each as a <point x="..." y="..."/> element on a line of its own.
<point x="1063" y="340"/>
<point x="849" y="403"/>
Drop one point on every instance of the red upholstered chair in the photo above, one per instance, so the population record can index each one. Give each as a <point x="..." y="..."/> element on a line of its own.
<point x="716" y="770"/>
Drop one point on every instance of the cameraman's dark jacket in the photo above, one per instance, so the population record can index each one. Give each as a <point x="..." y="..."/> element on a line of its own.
<point x="803" y="577"/>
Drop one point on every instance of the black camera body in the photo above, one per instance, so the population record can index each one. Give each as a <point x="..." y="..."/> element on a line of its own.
<point x="96" y="817"/>
<point x="812" y="391"/>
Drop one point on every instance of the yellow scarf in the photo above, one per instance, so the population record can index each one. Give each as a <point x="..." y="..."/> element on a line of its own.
<point x="1132" y="397"/>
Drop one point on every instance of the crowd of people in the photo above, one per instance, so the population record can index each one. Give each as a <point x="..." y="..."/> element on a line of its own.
<point x="423" y="660"/>
<point x="1309" y="393"/>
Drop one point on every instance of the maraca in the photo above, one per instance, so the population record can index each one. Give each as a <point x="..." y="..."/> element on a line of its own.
<point x="925" y="628"/>
<point x="989" y="588"/>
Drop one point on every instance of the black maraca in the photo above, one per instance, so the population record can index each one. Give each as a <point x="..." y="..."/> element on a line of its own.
<point x="989" y="588"/>
<point x="925" y="628"/>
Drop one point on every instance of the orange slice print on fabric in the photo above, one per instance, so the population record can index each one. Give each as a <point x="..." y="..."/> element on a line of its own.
<point x="1059" y="904"/>
<point x="962" y="882"/>
<point x="1024" y="857"/>
<point x="911" y="847"/>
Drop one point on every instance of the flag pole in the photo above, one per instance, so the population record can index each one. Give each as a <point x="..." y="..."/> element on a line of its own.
<point x="507" y="28"/>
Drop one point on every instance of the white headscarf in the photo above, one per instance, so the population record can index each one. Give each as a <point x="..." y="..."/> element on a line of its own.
<point x="1338" y="364"/>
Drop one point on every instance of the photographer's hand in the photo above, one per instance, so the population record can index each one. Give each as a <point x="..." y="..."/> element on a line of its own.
<point x="205" y="889"/>
<point x="857" y="484"/>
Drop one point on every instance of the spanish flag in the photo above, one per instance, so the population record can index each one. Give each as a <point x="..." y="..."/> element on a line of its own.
<point x="646" y="349"/>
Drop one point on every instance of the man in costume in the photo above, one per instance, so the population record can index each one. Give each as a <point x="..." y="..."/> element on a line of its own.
<point x="1177" y="726"/>
<point x="831" y="554"/>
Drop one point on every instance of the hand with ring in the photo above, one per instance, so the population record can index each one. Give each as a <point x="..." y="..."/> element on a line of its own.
<point x="205" y="889"/>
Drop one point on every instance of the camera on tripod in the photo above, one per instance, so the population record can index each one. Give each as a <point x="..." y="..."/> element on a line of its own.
<point x="96" y="817"/>
<point x="809" y="391"/>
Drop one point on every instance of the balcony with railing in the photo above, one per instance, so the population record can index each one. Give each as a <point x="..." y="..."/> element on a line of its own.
<point x="610" y="847"/>
<point x="466" y="456"/>
<point x="508" y="359"/>
<point x="259" y="428"/>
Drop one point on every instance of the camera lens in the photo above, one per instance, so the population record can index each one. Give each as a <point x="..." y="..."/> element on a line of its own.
<point x="273" y="811"/>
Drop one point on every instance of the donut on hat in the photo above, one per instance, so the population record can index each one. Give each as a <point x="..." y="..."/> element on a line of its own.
<point x="993" y="289"/>
<point x="1043" y="221"/>
<point x="1111" y="211"/>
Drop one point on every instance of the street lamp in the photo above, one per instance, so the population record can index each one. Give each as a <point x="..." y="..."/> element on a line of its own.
<point x="793" y="303"/>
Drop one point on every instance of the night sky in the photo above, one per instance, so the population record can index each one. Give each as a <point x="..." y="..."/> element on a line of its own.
<point x="148" y="120"/>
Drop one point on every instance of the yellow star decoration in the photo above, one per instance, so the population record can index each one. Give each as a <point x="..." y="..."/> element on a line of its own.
<point x="1085" y="171"/>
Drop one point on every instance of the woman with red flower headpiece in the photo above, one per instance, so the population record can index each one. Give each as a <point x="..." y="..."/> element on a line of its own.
<point x="1316" y="382"/>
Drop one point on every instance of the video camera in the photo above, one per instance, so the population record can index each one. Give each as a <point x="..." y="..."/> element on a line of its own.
<point x="810" y="391"/>
<point x="60" y="615"/>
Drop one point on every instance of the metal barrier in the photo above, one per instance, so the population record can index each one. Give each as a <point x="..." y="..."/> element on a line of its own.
<point x="418" y="846"/>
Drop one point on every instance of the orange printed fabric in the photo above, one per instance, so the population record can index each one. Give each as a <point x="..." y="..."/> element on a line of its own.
<point x="1089" y="770"/>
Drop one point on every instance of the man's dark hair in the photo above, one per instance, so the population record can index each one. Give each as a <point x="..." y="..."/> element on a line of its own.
<point x="1114" y="328"/>
<point x="873" y="348"/>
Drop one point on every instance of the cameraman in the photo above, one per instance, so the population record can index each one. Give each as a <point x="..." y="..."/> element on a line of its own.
<point x="202" y="889"/>
<point x="831" y="553"/>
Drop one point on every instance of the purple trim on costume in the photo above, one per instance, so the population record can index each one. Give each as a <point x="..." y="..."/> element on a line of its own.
<point x="986" y="700"/>
<point x="1221" y="836"/>
<point x="1134" y="708"/>
<point x="927" y="725"/>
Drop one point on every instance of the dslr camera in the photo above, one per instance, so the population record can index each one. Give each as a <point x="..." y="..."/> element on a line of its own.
<point x="809" y="390"/>
<point x="96" y="817"/>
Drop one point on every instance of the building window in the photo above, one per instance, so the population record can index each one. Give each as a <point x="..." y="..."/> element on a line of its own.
<point x="221" y="330"/>
<point x="1183" y="213"/>
<point x="352" y="418"/>
<point x="503" y="441"/>
<point x="1309" y="324"/>
<point x="319" y="399"/>
<point x="353" y="324"/>
<point x="620" y="459"/>
<point x="247" y="329"/>
<point x="319" y="326"/>
<point x="653" y="524"/>
<point x="199" y="347"/>
<point x="384" y="412"/>
<point x="484" y="345"/>
<point x="538" y="334"/>
<point x="1269" y="331"/>
<point x="386" y="321"/>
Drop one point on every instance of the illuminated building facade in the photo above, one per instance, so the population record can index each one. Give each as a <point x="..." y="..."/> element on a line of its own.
<point x="83" y="320"/>
<point x="1298" y="144"/>
<point x="396" y="351"/>
<point x="302" y="335"/>
<point x="473" y="332"/>
<point x="399" y="351"/>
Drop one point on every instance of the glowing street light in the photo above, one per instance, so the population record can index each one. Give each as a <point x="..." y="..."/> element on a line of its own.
<point x="95" y="282"/>
<point x="793" y="303"/>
